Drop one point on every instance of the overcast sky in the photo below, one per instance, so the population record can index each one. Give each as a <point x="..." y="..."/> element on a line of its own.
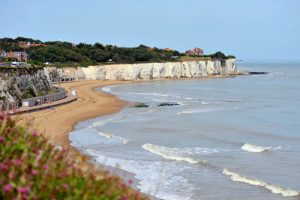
<point x="249" y="29"/>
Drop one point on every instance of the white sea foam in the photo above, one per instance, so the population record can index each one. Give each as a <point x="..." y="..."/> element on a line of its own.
<point x="273" y="188"/>
<point x="189" y="98"/>
<point x="97" y="124"/>
<point x="205" y="102"/>
<point x="150" y="94"/>
<point x="170" y="153"/>
<point x="111" y="136"/>
<point x="155" y="177"/>
<point x="257" y="149"/>
<point x="197" y="111"/>
<point x="157" y="100"/>
<point x="106" y="89"/>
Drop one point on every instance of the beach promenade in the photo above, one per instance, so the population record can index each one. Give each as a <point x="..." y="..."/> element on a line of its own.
<point x="68" y="99"/>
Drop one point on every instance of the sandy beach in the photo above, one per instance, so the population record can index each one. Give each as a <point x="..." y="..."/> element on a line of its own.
<point x="56" y="123"/>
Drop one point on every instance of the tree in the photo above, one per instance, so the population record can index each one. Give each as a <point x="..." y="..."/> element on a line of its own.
<point x="218" y="55"/>
<point x="99" y="46"/>
<point x="176" y="53"/>
<point x="99" y="55"/>
<point x="143" y="46"/>
<point x="141" y="55"/>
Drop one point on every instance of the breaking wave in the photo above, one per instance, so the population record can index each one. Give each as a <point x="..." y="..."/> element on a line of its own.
<point x="170" y="153"/>
<point x="150" y="94"/>
<point x="174" y="154"/>
<point x="257" y="149"/>
<point x="106" y="89"/>
<point x="273" y="188"/>
<point x="97" y="124"/>
<point x="111" y="136"/>
<point x="196" y="111"/>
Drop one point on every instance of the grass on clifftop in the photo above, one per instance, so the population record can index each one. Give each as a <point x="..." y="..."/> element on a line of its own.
<point x="32" y="168"/>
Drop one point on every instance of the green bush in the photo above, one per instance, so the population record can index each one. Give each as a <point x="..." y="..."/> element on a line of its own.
<point x="32" y="168"/>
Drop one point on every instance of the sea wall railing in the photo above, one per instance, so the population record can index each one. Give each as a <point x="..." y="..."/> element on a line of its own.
<point x="6" y="105"/>
<point x="58" y="95"/>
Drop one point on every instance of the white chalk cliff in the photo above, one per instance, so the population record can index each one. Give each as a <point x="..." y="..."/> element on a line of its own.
<point x="191" y="69"/>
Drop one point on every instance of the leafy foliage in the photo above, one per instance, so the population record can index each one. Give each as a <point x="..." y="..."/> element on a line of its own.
<point x="32" y="168"/>
<point x="87" y="54"/>
<point x="219" y="55"/>
<point x="82" y="54"/>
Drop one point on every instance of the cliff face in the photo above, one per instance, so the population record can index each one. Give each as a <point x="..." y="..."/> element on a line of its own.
<point x="56" y="74"/>
<point x="194" y="69"/>
<point x="16" y="83"/>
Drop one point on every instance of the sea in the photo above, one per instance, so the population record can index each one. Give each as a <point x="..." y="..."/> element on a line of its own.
<point x="219" y="138"/>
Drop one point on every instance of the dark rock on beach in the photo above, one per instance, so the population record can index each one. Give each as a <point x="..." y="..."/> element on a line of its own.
<point x="168" y="104"/>
<point x="247" y="73"/>
<point x="141" y="105"/>
<point x="258" y="73"/>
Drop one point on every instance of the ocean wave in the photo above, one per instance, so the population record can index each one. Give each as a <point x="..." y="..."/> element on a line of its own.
<point x="197" y="111"/>
<point x="149" y="94"/>
<point x="273" y="188"/>
<point x="190" y="98"/>
<point x="170" y="153"/>
<point x="257" y="149"/>
<point x="106" y="89"/>
<point x="197" y="150"/>
<point x="92" y="152"/>
<point x="155" y="178"/>
<point x="205" y="102"/>
<point x="97" y="124"/>
<point x="155" y="99"/>
<point x="111" y="136"/>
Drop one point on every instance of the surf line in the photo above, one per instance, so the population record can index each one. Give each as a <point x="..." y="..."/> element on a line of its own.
<point x="167" y="153"/>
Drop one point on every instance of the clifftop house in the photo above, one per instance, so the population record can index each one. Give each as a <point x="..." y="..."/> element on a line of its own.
<point x="168" y="49"/>
<point x="2" y="53"/>
<point x="26" y="45"/>
<point x="20" y="56"/>
<point x="194" y="52"/>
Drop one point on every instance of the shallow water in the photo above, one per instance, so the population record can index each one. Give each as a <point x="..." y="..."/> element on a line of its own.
<point x="231" y="138"/>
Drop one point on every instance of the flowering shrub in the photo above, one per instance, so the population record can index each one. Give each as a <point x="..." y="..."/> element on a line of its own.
<point x="32" y="168"/>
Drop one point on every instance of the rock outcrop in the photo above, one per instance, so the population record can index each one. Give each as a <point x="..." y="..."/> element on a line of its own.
<point x="15" y="83"/>
<point x="57" y="74"/>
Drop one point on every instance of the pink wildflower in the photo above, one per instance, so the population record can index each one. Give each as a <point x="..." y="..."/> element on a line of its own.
<point x="11" y="175"/>
<point x="2" y="116"/>
<point x="34" y="133"/>
<point x="2" y="139"/>
<point x="18" y="162"/>
<point x="24" y="190"/>
<point x="45" y="167"/>
<point x="124" y="198"/>
<point x="34" y="172"/>
<point x="7" y="188"/>
<point x="66" y="186"/>
<point x="130" y="181"/>
<point x="4" y="167"/>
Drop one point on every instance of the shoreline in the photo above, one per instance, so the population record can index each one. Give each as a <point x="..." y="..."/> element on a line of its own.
<point x="56" y="123"/>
